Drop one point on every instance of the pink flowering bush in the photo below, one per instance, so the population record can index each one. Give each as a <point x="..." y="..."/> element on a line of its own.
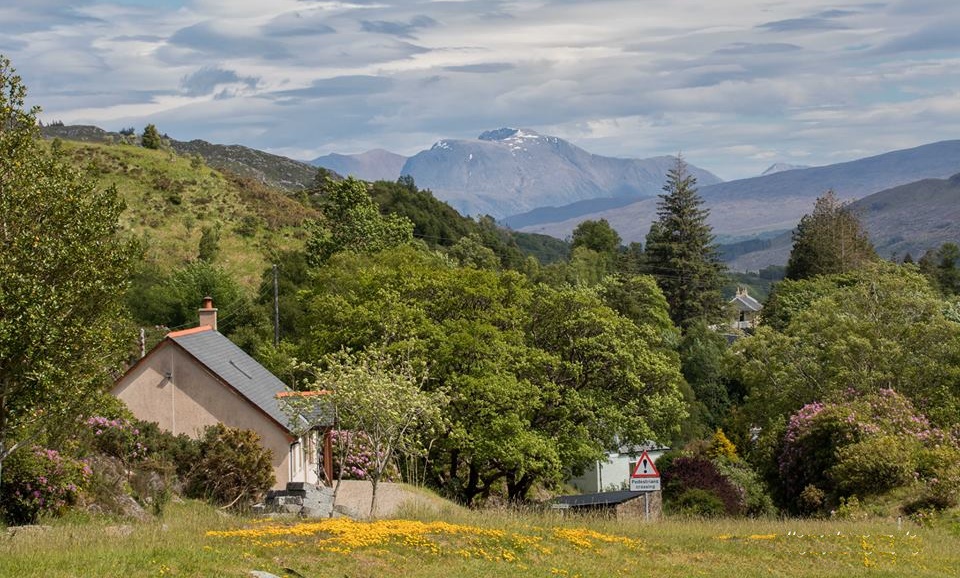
<point x="39" y="481"/>
<point x="865" y="445"/>
<point x="117" y="437"/>
<point x="356" y="453"/>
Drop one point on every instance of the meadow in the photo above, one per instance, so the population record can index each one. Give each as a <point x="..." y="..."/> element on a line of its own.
<point x="194" y="539"/>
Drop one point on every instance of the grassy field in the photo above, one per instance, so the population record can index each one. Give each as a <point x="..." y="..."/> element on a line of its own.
<point x="195" y="540"/>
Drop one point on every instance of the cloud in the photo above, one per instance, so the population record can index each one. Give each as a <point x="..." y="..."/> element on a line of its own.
<point x="802" y="25"/>
<point x="341" y="86"/>
<point x="394" y="28"/>
<point x="206" y="80"/>
<point x="298" y="24"/>
<point x="738" y="48"/>
<point x="207" y="39"/>
<point x="935" y="37"/>
<point x="484" y="68"/>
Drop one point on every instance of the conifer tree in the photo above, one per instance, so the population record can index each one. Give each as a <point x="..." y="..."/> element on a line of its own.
<point x="681" y="252"/>
<point x="151" y="137"/>
<point x="830" y="240"/>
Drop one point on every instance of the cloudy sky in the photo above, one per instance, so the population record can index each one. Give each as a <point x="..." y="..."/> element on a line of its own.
<point x="734" y="84"/>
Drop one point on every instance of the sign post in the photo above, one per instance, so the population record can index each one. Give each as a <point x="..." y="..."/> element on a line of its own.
<point x="645" y="478"/>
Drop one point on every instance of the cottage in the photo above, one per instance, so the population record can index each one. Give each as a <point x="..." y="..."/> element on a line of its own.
<point x="613" y="472"/>
<point x="746" y="310"/>
<point x="197" y="377"/>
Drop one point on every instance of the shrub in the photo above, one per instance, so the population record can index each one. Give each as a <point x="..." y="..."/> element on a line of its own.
<point x="359" y="457"/>
<point x="862" y="446"/>
<point x="722" y="447"/>
<point x="875" y="465"/>
<point x="39" y="481"/>
<point x="232" y="468"/>
<point x="697" y="502"/>
<point x="692" y="472"/>
<point x="754" y="495"/>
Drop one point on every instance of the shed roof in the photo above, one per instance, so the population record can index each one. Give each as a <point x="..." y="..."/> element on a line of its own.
<point x="596" y="500"/>
<point x="231" y="364"/>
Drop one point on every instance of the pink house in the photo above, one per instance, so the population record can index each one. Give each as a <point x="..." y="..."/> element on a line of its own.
<point x="197" y="377"/>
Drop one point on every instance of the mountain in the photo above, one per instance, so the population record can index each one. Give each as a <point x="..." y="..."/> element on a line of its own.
<point x="911" y="218"/>
<point x="509" y="171"/>
<point x="374" y="165"/>
<point x="269" y="169"/>
<point x="780" y="167"/>
<point x="744" y="208"/>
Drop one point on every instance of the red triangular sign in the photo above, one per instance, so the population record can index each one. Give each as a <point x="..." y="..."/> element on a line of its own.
<point x="645" y="468"/>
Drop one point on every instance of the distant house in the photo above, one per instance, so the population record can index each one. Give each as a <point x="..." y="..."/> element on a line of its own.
<point x="746" y="310"/>
<point x="197" y="377"/>
<point x="613" y="473"/>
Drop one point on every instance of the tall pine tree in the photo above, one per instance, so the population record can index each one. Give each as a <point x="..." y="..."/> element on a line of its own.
<point x="830" y="240"/>
<point x="681" y="252"/>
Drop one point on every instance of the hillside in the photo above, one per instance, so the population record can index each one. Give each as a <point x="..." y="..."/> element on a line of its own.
<point x="510" y="171"/>
<point x="374" y="165"/>
<point x="170" y="199"/>
<point x="273" y="170"/>
<point x="911" y="218"/>
<point x="776" y="202"/>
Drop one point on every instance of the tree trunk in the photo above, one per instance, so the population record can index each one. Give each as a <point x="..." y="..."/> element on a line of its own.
<point x="374" y="481"/>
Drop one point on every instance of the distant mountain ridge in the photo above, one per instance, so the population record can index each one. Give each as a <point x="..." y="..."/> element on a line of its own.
<point x="911" y="218"/>
<point x="780" y="167"/>
<point x="508" y="171"/>
<point x="747" y="207"/>
<point x="373" y="165"/>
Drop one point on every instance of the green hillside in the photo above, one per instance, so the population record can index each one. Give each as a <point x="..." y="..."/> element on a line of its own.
<point x="171" y="199"/>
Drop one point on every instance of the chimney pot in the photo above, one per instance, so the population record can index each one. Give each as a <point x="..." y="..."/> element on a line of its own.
<point x="208" y="313"/>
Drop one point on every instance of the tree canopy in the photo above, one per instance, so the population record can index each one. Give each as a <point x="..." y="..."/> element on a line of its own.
<point x="540" y="380"/>
<point x="63" y="272"/>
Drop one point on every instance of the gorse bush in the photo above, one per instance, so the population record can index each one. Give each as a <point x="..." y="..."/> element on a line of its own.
<point x="232" y="469"/>
<point x="38" y="481"/>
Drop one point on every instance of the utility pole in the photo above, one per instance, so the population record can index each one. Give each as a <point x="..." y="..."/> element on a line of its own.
<point x="276" y="308"/>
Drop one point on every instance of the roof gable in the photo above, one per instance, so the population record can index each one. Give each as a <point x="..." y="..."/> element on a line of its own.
<point x="745" y="302"/>
<point x="233" y="366"/>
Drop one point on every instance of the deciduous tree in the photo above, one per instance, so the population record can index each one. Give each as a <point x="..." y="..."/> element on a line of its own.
<point x="63" y="270"/>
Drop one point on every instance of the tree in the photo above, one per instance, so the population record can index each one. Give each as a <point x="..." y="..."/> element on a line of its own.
<point x="540" y="380"/>
<point x="829" y="240"/>
<point x="884" y="328"/>
<point x="383" y="398"/>
<point x="596" y="235"/>
<point x="681" y="252"/>
<point x="354" y="223"/>
<point x="63" y="271"/>
<point x="151" y="137"/>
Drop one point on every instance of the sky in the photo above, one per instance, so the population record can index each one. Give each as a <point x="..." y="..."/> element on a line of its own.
<point x="733" y="85"/>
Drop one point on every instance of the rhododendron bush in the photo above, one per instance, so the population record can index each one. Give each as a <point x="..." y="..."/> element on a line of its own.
<point x="864" y="445"/>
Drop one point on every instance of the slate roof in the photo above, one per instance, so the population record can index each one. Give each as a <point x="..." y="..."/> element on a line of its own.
<point x="597" y="500"/>
<point x="231" y="364"/>
<point x="746" y="303"/>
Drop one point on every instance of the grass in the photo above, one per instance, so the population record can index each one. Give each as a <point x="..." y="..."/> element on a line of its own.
<point x="193" y="539"/>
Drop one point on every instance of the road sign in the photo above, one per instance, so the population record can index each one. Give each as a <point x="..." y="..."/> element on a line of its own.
<point x="645" y="477"/>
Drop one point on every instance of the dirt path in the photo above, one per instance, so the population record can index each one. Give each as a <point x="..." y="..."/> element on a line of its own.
<point x="354" y="499"/>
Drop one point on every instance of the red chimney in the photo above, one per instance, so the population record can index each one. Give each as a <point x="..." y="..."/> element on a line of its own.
<point x="208" y="313"/>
